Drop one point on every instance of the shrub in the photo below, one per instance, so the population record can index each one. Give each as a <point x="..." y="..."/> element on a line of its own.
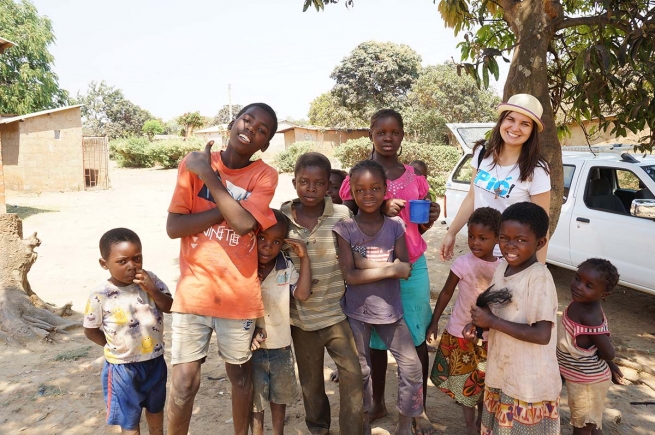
<point x="132" y="152"/>
<point x="286" y="160"/>
<point x="440" y="159"/>
<point x="170" y="152"/>
<point x="139" y="152"/>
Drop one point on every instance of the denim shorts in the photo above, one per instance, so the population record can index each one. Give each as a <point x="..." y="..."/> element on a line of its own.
<point x="131" y="387"/>
<point x="273" y="377"/>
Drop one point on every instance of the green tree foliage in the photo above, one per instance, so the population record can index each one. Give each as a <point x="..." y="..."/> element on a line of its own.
<point x="376" y="74"/>
<point x="441" y="96"/>
<point x="139" y="152"/>
<point x="190" y="121"/>
<point x="223" y="115"/>
<point x="27" y="81"/>
<point x="106" y="112"/>
<point x="153" y="127"/>
<point x="327" y="111"/>
<point x="285" y="161"/>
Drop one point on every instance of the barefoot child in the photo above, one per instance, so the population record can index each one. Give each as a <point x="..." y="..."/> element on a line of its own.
<point x="124" y="315"/>
<point x="584" y="349"/>
<point x="220" y="200"/>
<point x="522" y="382"/>
<point x="273" y="374"/>
<point x="459" y="365"/>
<point x="373" y="257"/>
<point x="319" y="323"/>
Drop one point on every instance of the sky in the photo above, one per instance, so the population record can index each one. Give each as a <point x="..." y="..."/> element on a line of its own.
<point x="174" y="56"/>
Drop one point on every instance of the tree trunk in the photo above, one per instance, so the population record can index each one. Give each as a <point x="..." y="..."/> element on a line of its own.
<point x="24" y="317"/>
<point x="532" y="22"/>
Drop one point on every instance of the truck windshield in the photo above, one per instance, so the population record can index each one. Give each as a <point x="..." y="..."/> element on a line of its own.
<point x="650" y="170"/>
<point x="473" y="134"/>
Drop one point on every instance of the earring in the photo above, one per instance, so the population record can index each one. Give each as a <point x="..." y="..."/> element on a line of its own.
<point x="400" y="150"/>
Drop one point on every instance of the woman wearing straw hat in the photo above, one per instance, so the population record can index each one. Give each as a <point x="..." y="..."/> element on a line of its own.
<point x="508" y="167"/>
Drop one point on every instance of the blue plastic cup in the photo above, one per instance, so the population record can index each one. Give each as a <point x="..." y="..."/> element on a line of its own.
<point x="419" y="211"/>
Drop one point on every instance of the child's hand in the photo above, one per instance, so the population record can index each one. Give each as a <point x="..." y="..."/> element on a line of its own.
<point x="431" y="332"/>
<point x="617" y="375"/>
<point x="435" y="211"/>
<point x="298" y="247"/>
<point x="199" y="162"/>
<point x="392" y="207"/>
<point x="258" y="339"/>
<point x="403" y="270"/>
<point x="470" y="333"/>
<point x="482" y="317"/>
<point x="145" y="282"/>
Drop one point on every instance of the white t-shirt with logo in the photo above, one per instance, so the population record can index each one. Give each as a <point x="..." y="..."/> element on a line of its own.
<point x="499" y="186"/>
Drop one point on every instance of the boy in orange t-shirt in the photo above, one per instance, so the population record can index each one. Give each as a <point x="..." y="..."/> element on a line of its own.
<point x="219" y="201"/>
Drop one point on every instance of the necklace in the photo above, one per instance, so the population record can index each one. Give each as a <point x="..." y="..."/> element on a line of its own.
<point x="498" y="189"/>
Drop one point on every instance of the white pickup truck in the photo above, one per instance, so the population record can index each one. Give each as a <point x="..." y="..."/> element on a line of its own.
<point x="608" y="208"/>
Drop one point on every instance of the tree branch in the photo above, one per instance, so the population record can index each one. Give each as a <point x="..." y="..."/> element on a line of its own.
<point x="596" y="20"/>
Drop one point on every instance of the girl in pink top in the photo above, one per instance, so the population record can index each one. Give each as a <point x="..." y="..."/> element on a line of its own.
<point x="404" y="183"/>
<point x="459" y="365"/>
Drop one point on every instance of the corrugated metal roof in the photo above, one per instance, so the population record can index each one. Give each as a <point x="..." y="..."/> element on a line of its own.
<point x="313" y="128"/>
<point x="35" y="114"/>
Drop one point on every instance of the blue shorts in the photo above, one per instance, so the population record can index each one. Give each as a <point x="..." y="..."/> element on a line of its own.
<point x="273" y="377"/>
<point x="131" y="387"/>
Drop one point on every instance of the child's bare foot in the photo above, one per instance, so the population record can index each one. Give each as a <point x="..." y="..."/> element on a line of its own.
<point x="378" y="410"/>
<point x="423" y="425"/>
<point x="404" y="426"/>
<point x="334" y="376"/>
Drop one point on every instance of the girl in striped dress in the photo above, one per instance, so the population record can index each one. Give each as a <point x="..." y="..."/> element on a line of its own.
<point x="584" y="350"/>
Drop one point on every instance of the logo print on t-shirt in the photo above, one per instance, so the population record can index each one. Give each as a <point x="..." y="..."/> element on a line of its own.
<point x="238" y="193"/>
<point x="485" y="180"/>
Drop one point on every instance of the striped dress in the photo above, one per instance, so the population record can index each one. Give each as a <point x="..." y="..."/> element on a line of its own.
<point x="577" y="364"/>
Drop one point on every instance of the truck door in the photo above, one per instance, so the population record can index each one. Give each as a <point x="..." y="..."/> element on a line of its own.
<point x="600" y="225"/>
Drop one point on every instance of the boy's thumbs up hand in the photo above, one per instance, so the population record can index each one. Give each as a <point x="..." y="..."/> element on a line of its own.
<point x="199" y="162"/>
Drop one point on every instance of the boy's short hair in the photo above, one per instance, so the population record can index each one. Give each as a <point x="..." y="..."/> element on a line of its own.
<point x="114" y="236"/>
<point x="606" y="268"/>
<point x="340" y="173"/>
<point x="266" y="108"/>
<point x="487" y="216"/>
<point x="529" y="214"/>
<point x="422" y="164"/>
<point x="281" y="218"/>
<point x="314" y="159"/>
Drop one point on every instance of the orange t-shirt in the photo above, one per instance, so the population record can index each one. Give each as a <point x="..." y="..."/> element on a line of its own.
<point x="218" y="268"/>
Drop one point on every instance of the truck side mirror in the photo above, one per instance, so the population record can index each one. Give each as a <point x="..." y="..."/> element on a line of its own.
<point x="643" y="208"/>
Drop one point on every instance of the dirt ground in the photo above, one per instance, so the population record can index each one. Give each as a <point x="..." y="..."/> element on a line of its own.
<point x="54" y="388"/>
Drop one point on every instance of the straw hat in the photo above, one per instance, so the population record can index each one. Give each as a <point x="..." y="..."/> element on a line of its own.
<point x="525" y="104"/>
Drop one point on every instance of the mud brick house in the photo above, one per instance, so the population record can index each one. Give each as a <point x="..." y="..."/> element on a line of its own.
<point x="42" y="151"/>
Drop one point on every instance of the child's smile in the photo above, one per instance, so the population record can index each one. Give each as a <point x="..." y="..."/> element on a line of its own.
<point x="519" y="244"/>
<point x="588" y="285"/>
<point x="368" y="190"/>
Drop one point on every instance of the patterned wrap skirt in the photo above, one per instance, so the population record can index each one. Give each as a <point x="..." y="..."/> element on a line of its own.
<point x="505" y="415"/>
<point x="458" y="369"/>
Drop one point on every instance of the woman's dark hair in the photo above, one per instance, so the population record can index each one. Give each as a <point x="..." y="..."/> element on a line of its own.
<point x="369" y="165"/>
<point x="530" y="157"/>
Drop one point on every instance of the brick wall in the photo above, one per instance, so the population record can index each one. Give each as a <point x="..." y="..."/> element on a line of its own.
<point x="36" y="158"/>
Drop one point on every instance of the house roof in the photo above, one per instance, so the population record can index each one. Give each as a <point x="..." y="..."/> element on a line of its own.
<point x="314" y="128"/>
<point x="212" y="129"/>
<point x="5" y="44"/>
<point x="35" y="114"/>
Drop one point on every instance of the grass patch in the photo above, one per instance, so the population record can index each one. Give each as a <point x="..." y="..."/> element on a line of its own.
<point x="73" y="355"/>
<point x="25" y="212"/>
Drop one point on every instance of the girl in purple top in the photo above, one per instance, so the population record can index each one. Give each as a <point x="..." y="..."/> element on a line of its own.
<point x="373" y="258"/>
<point x="404" y="183"/>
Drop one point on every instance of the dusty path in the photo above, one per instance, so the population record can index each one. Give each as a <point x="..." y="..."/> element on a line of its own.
<point x="44" y="391"/>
